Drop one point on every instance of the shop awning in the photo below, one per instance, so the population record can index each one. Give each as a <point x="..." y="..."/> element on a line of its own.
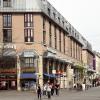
<point x="50" y="75"/>
<point x="28" y="53"/>
<point x="28" y="76"/>
<point x="51" y="55"/>
<point x="9" y="52"/>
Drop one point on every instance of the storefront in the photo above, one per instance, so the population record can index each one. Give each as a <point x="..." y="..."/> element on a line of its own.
<point x="8" y="73"/>
<point x="55" y="69"/>
<point x="28" y="69"/>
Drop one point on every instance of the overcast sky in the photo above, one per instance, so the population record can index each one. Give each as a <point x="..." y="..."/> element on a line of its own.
<point x="84" y="15"/>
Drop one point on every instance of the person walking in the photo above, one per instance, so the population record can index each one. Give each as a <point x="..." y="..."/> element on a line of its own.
<point x="49" y="91"/>
<point x="39" y="92"/>
<point x="44" y="89"/>
<point x="57" y="89"/>
<point x="52" y="89"/>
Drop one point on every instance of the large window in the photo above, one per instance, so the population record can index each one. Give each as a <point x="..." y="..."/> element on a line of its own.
<point x="28" y="25"/>
<point x="55" y="35"/>
<point x="6" y="3"/>
<point x="28" y="20"/>
<point x="7" y="35"/>
<point x="64" y="41"/>
<point x="60" y="40"/>
<point x="44" y="30"/>
<point x="50" y="35"/>
<point x="28" y="35"/>
<point x="7" y="20"/>
<point x="7" y="28"/>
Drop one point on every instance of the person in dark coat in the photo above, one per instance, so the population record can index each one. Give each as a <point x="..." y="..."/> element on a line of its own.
<point x="39" y="92"/>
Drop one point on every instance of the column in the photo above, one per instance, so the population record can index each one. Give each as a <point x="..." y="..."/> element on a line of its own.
<point x="62" y="77"/>
<point x="18" y="74"/>
<point x="70" y="76"/>
<point x="48" y="66"/>
<point x="53" y="68"/>
<point x="40" y="68"/>
<point x="65" y="75"/>
<point x="59" y="77"/>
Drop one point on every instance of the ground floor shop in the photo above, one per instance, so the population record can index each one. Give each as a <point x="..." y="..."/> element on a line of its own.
<point x="27" y="69"/>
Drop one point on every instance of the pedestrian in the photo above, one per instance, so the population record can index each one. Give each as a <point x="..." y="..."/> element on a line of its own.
<point x="57" y="89"/>
<point x="49" y="91"/>
<point x="44" y="89"/>
<point x="39" y="92"/>
<point x="52" y="89"/>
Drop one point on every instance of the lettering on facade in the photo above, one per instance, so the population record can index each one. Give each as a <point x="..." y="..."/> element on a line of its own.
<point x="9" y="46"/>
<point x="31" y="69"/>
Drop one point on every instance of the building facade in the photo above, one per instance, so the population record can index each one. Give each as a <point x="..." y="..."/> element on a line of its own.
<point x="37" y="44"/>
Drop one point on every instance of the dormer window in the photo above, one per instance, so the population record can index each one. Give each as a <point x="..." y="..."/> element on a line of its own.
<point x="54" y="15"/>
<point x="6" y="3"/>
<point x="49" y="11"/>
<point x="0" y="2"/>
<point x="63" y="23"/>
<point x="59" y="19"/>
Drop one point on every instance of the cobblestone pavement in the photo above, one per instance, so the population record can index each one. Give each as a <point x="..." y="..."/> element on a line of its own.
<point x="91" y="94"/>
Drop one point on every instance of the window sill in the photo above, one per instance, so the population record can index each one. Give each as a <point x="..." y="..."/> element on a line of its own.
<point x="29" y="43"/>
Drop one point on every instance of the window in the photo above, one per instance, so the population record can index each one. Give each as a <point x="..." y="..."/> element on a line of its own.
<point x="50" y="35"/>
<point x="28" y="62"/>
<point x="0" y="2"/>
<point x="49" y="11"/>
<point x="44" y="37"/>
<point x="63" y="23"/>
<point x="44" y="30"/>
<point x="28" y="24"/>
<point x="7" y="35"/>
<point x="7" y="20"/>
<point x="54" y="15"/>
<point x="55" y="35"/>
<point x="6" y="3"/>
<point x="58" y="19"/>
<point x="28" y="35"/>
<point x="64" y="41"/>
<point x="28" y="20"/>
<point x="60" y="40"/>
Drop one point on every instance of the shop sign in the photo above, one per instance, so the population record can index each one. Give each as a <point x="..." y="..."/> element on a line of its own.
<point x="28" y="69"/>
<point x="8" y="70"/>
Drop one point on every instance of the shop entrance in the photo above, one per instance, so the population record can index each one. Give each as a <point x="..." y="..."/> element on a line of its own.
<point x="8" y="73"/>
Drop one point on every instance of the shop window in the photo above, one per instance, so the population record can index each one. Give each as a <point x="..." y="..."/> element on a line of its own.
<point x="28" y="62"/>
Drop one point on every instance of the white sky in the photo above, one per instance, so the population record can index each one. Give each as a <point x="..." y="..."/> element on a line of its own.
<point x="84" y="15"/>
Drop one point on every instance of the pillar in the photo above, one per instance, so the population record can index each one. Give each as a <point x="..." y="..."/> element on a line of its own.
<point x="40" y="69"/>
<point x="62" y="77"/>
<point x="18" y="74"/>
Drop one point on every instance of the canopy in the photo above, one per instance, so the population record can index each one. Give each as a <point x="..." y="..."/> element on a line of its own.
<point x="28" y="75"/>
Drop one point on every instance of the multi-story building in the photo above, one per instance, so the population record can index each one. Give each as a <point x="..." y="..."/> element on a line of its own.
<point x="97" y="64"/>
<point x="37" y="44"/>
<point x="89" y="62"/>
